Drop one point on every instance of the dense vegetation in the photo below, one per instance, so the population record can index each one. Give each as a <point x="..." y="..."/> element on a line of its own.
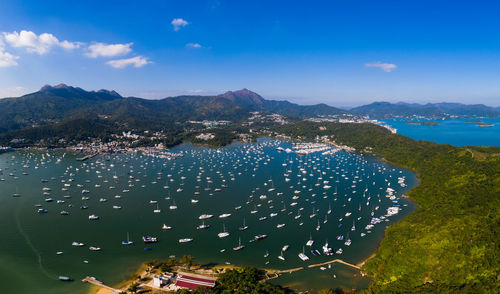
<point x="451" y="243"/>
<point x="242" y="281"/>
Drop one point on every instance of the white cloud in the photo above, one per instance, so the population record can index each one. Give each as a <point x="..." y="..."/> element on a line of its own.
<point x="13" y="91"/>
<point x="179" y="23"/>
<point x="6" y="59"/>
<point x="108" y="50"/>
<point x="387" y="67"/>
<point x="34" y="43"/>
<point x="138" y="61"/>
<point x="193" y="45"/>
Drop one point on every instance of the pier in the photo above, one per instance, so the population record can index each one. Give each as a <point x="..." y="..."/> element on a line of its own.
<point x="95" y="282"/>
<point x="276" y="273"/>
<point x="87" y="157"/>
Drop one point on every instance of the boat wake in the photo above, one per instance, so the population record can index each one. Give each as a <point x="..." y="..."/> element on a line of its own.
<point x="35" y="251"/>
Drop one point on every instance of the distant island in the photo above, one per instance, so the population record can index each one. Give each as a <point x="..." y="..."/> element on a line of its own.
<point x="486" y="125"/>
<point x="423" y="123"/>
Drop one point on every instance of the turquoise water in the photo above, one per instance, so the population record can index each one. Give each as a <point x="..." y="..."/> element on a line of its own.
<point x="452" y="131"/>
<point x="28" y="259"/>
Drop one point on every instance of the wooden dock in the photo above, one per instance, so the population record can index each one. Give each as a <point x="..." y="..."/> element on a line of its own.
<point x="289" y="271"/>
<point x="95" y="282"/>
<point x="333" y="261"/>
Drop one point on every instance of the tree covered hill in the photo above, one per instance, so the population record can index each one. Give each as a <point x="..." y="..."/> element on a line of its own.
<point x="401" y="109"/>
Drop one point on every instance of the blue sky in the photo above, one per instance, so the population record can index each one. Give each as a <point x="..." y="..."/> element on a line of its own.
<point x="343" y="53"/>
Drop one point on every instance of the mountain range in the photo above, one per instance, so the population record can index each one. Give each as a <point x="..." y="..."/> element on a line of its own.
<point x="61" y="103"/>
<point x="407" y="110"/>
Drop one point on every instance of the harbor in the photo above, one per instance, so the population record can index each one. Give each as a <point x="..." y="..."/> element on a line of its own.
<point x="312" y="214"/>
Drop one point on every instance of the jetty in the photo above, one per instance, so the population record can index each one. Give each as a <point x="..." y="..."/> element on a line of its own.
<point x="95" y="282"/>
<point x="87" y="157"/>
<point x="272" y="274"/>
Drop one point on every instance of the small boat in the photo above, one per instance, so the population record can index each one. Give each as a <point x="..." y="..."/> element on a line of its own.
<point x="281" y="256"/>
<point x="260" y="237"/>
<point x="64" y="212"/>
<point x="128" y="242"/>
<point x="42" y="210"/>
<point x="77" y="244"/>
<point x="149" y="239"/>
<point x="279" y="226"/>
<point x="65" y="279"/>
<point x="239" y="247"/>
<point x="223" y="234"/>
<point x="315" y="252"/>
<point x="303" y="256"/>
<point x="310" y="242"/>
<point x="205" y="216"/>
<point x="266" y="254"/>
<point x="185" y="240"/>
<point x="225" y="215"/>
<point x="244" y="227"/>
<point x="327" y="250"/>
<point x="94" y="248"/>
<point x="203" y="226"/>
<point x="285" y="248"/>
<point x="93" y="217"/>
<point x="165" y="227"/>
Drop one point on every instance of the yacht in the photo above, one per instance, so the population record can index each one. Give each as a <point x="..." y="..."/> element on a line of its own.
<point x="149" y="239"/>
<point x="239" y="247"/>
<point x="205" y="216"/>
<point x="93" y="217"/>
<point x="303" y="256"/>
<point x="224" y="233"/>
<point x="185" y="240"/>
<point x="203" y="226"/>
<point x="77" y="244"/>
<point x="128" y="242"/>
<point x="327" y="250"/>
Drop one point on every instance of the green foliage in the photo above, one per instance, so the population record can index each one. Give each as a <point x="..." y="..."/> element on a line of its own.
<point x="451" y="243"/>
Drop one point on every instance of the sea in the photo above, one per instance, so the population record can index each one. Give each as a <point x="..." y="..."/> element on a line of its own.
<point x="327" y="196"/>
<point x="457" y="132"/>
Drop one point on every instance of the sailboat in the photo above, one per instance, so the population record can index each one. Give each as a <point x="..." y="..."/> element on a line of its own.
<point x="203" y="226"/>
<point x="311" y="241"/>
<point x="128" y="242"/>
<point x="173" y="206"/>
<point x="244" y="227"/>
<point x="224" y="233"/>
<point x="157" y="210"/>
<point x="303" y="256"/>
<point x="281" y="256"/>
<point x="239" y="247"/>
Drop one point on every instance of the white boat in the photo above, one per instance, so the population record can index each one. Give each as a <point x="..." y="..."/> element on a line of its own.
<point x="223" y="234"/>
<point x="281" y="256"/>
<point x="94" y="248"/>
<point x="165" y="227"/>
<point x="244" y="227"/>
<point x="93" y="217"/>
<point x="128" y="242"/>
<point x="157" y="210"/>
<point x="285" y="248"/>
<point x="239" y="247"/>
<point x="279" y="226"/>
<point x="77" y="244"/>
<point x="225" y="215"/>
<point x="203" y="226"/>
<point x="327" y="250"/>
<point x="303" y="256"/>
<point x="205" y="216"/>
<point x="185" y="240"/>
<point x="310" y="242"/>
